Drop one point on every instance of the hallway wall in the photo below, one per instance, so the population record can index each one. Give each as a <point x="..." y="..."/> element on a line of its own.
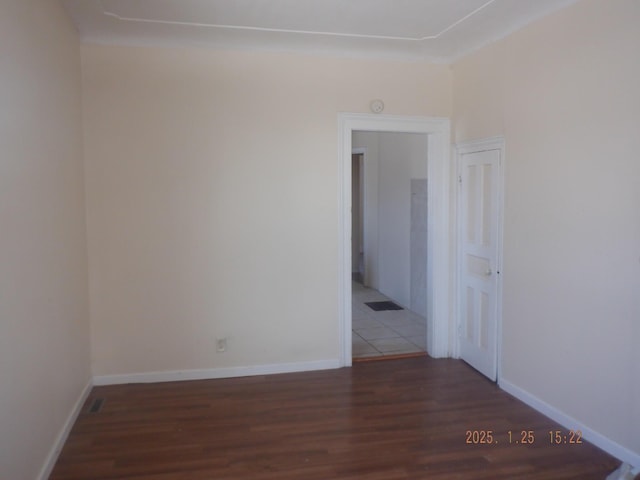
<point x="402" y="157"/>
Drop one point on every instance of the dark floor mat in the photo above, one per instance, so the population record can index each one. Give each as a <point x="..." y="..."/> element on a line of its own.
<point x="382" y="306"/>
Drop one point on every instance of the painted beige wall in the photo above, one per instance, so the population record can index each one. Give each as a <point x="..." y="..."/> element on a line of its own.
<point x="212" y="182"/>
<point x="564" y="92"/>
<point x="44" y="324"/>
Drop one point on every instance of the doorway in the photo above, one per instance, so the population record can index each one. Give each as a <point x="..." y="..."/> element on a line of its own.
<point x="389" y="244"/>
<point x="438" y="275"/>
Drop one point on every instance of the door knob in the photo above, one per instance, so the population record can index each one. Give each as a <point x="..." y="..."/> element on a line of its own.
<point x="488" y="272"/>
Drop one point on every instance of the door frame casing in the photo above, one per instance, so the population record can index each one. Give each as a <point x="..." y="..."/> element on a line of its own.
<point x="439" y="320"/>
<point x="463" y="148"/>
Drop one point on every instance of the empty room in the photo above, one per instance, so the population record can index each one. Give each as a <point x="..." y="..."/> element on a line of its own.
<point x="177" y="195"/>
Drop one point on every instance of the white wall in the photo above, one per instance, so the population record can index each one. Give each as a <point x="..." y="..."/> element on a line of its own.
<point x="44" y="325"/>
<point x="212" y="182"/>
<point x="402" y="156"/>
<point x="564" y="92"/>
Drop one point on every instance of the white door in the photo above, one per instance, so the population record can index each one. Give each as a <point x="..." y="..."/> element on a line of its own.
<point x="480" y="189"/>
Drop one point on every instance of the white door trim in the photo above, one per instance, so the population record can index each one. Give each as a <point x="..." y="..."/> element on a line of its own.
<point x="438" y="236"/>
<point x="462" y="148"/>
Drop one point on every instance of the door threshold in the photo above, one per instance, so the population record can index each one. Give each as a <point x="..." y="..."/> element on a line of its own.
<point x="380" y="358"/>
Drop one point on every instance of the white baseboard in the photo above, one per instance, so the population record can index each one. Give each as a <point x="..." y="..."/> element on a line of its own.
<point x="61" y="438"/>
<point x="599" y="440"/>
<point x="213" y="373"/>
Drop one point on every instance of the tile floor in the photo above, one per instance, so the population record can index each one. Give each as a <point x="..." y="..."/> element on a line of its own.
<point x="391" y="332"/>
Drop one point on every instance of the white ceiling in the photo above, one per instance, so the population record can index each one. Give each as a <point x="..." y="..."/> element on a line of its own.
<point x="432" y="30"/>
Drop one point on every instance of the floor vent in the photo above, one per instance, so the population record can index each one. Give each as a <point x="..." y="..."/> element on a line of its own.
<point x="96" y="405"/>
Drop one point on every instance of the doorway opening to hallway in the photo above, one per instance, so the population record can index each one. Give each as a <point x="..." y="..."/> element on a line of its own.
<point x="388" y="244"/>
<point x="439" y="267"/>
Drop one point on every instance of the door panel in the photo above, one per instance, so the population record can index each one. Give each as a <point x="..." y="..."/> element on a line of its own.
<point x="479" y="194"/>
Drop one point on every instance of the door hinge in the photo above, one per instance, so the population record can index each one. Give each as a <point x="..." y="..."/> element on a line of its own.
<point x="459" y="178"/>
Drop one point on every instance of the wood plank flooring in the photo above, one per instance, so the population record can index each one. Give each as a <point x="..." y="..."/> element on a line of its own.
<point x="398" y="419"/>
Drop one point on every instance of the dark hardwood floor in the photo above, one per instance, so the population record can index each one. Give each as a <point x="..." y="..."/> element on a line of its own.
<point x="400" y="419"/>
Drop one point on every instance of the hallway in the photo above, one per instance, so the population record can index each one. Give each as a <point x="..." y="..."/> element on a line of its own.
<point x="384" y="333"/>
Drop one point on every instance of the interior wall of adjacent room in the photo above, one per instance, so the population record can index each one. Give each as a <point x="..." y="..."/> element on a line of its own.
<point x="369" y="141"/>
<point x="211" y="174"/>
<point x="44" y="326"/>
<point x="402" y="157"/>
<point x="564" y="93"/>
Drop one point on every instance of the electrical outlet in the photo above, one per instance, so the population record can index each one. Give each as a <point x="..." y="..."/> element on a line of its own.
<point x="221" y="345"/>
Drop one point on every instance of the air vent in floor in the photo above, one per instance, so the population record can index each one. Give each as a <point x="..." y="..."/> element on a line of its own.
<point x="96" y="405"/>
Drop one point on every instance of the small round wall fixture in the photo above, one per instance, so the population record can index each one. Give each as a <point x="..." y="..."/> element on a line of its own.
<point x="376" y="106"/>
